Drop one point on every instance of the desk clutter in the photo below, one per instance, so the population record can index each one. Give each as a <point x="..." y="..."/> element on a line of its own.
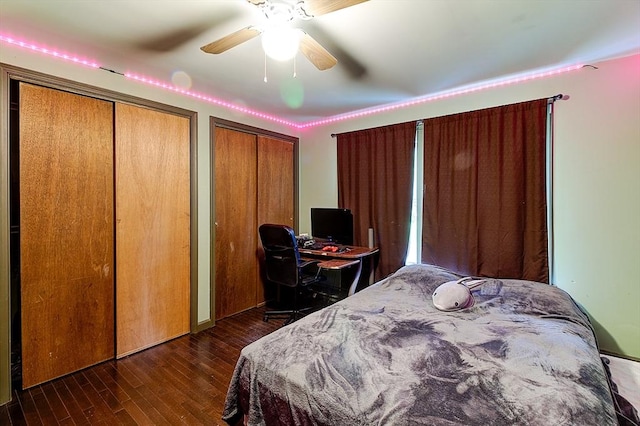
<point x="306" y="242"/>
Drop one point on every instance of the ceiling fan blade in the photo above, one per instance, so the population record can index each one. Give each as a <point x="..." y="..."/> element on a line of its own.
<point x="322" y="7"/>
<point x="232" y="40"/>
<point x="315" y="53"/>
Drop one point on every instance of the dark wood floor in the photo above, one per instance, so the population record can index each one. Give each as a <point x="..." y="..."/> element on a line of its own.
<point x="183" y="381"/>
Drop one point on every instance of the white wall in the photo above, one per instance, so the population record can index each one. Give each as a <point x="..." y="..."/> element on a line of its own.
<point x="597" y="200"/>
<point x="596" y="184"/>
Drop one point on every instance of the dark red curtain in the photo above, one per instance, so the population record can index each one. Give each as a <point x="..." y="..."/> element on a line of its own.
<point x="375" y="181"/>
<point x="485" y="205"/>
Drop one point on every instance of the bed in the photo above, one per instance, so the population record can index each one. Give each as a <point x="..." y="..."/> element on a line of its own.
<point x="523" y="354"/>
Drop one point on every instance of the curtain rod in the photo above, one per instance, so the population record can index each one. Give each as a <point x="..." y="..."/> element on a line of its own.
<point x="333" y="135"/>
<point x="558" y="97"/>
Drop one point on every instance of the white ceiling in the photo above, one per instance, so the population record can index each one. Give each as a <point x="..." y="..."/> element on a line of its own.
<point x="388" y="51"/>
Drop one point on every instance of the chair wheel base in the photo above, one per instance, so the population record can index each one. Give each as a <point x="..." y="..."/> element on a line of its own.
<point x="289" y="315"/>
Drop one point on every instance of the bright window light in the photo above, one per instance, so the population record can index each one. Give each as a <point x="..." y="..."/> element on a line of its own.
<point x="414" y="252"/>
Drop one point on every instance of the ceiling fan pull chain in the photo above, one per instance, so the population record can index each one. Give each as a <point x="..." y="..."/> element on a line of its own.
<point x="265" y="67"/>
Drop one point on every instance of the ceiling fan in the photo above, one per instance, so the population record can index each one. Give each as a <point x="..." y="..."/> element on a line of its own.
<point x="277" y="32"/>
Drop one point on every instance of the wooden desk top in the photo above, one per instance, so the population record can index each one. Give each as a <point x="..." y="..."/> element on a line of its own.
<point x="351" y="252"/>
<point x="333" y="263"/>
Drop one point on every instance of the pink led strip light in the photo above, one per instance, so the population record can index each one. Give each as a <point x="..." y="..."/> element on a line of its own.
<point x="210" y="100"/>
<point x="47" y="51"/>
<point x="444" y="95"/>
<point x="310" y="124"/>
<point x="363" y="113"/>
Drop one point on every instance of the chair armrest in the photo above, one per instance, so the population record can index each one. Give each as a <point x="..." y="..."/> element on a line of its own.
<point x="313" y="263"/>
<point x="307" y="262"/>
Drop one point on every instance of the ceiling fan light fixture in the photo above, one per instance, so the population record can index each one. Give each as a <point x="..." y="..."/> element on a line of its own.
<point x="281" y="44"/>
<point x="301" y="11"/>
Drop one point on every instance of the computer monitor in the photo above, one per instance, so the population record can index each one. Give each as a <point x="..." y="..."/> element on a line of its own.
<point x="332" y="224"/>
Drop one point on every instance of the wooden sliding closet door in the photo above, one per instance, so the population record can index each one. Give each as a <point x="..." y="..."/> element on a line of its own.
<point x="66" y="232"/>
<point x="235" y="222"/>
<point x="254" y="185"/>
<point x="152" y="227"/>
<point x="275" y="181"/>
<point x="275" y="188"/>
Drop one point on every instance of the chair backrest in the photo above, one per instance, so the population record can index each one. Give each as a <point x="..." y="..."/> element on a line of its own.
<point x="281" y="253"/>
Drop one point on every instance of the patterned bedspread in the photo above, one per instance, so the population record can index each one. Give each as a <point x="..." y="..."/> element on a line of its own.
<point x="524" y="354"/>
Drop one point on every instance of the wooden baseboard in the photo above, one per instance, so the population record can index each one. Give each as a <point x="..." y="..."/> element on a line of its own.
<point x="202" y="326"/>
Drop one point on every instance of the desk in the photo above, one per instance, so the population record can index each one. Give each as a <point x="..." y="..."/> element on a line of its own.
<point x="353" y="255"/>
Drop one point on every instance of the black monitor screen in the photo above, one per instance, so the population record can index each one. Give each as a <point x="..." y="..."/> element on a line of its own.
<point x="332" y="224"/>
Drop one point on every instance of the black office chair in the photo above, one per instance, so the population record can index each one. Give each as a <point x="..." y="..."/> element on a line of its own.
<point x="284" y="267"/>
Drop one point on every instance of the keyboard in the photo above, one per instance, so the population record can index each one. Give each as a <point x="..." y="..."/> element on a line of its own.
<point x="320" y="245"/>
